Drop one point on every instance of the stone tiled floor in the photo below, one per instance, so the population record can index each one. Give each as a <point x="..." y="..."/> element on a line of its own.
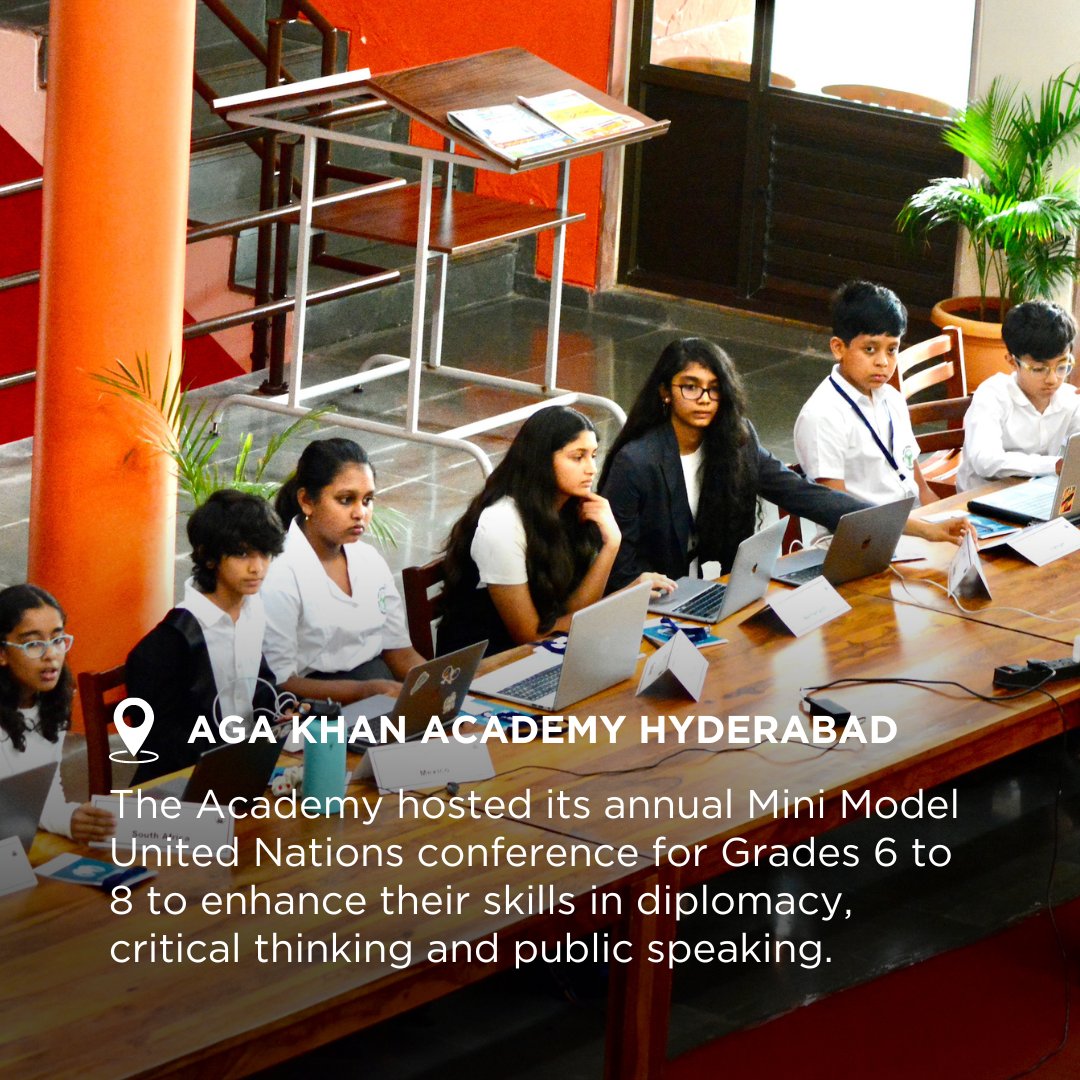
<point x="519" y="1024"/>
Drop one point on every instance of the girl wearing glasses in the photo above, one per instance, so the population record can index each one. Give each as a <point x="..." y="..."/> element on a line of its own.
<point x="685" y="473"/>
<point x="36" y="689"/>
<point x="536" y="545"/>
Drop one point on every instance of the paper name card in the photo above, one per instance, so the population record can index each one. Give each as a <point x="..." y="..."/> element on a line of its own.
<point x="1047" y="541"/>
<point x="15" y="870"/>
<point x="418" y="764"/>
<point x="809" y="606"/>
<point x="966" y="577"/>
<point x="679" y="660"/>
<point x="186" y="822"/>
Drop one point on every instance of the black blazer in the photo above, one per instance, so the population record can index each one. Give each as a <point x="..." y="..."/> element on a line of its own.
<point x="647" y="492"/>
<point x="170" y="669"/>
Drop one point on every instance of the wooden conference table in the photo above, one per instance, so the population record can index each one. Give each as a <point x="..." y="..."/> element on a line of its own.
<point x="70" y="1011"/>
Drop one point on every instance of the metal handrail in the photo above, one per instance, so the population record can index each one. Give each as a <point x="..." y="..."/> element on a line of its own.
<point x="20" y="377"/>
<point x="21" y="187"/>
<point x="244" y="35"/>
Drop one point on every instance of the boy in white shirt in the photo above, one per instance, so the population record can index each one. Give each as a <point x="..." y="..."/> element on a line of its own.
<point x="853" y="433"/>
<point x="1017" y="423"/>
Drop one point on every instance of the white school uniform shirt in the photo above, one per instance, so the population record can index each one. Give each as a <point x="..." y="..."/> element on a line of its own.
<point x="1005" y="435"/>
<point x="56" y="816"/>
<point x="498" y="545"/>
<point x="832" y="443"/>
<point x="235" y="648"/>
<point x="312" y="625"/>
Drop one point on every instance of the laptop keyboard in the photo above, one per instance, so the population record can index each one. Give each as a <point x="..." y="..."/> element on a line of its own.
<point x="706" y="605"/>
<point x="801" y="577"/>
<point x="537" y="686"/>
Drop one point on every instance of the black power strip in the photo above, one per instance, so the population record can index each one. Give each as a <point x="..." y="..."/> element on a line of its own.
<point x="1036" y="672"/>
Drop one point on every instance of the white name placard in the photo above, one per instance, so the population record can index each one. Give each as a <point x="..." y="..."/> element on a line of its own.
<point x="1047" y="541"/>
<point x="809" y="606"/>
<point x="15" y="870"/>
<point x="424" y="765"/>
<point x="681" y="660"/>
<point x="170" y="821"/>
<point x="966" y="577"/>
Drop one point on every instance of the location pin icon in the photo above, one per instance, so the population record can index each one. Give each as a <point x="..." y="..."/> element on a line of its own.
<point x="133" y="737"/>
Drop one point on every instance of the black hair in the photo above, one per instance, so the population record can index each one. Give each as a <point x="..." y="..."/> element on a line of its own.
<point x="559" y="548"/>
<point x="1039" y="329"/>
<point x="861" y="307"/>
<point x="729" y="478"/>
<point x="54" y="706"/>
<point x="319" y="464"/>
<point x="230" y="522"/>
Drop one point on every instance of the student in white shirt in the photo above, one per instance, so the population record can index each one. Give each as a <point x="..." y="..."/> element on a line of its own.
<point x="536" y="544"/>
<point x="1017" y="423"/>
<point x="36" y="689"/>
<point x="205" y="658"/>
<point x="854" y="434"/>
<point x="335" y="621"/>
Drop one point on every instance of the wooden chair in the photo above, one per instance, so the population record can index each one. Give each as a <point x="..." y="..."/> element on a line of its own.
<point x="887" y="98"/>
<point x="421" y="608"/>
<point x="937" y="362"/>
<point x="99" y="691"/>
<point x="793" y="537"/>
<point x="942" y="446"/>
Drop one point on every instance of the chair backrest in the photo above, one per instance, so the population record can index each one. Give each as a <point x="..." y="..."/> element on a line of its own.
<point x="421" y="607"/>
<point x="98" y="692"/>
<point x="940" y="449"/>
<point x="793" y="537"/>
<point x="932" y="362"/>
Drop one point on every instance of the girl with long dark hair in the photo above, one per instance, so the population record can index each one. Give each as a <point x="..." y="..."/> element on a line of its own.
<point x="335" y="624"/>
<point x="686" y="471"/>
<point x="536" y="544"/>
<point x="36" y="690"/>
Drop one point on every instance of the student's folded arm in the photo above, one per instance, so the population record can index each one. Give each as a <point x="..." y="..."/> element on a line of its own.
<point x="281" y="635"/>
<point x="626" y="498"/>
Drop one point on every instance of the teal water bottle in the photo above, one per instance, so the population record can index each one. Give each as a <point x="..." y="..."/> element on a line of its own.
<point x="324" y="764"/>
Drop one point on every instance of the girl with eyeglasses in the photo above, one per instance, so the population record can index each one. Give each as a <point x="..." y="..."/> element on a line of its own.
<point x="685" y="474"/>
<point x="36" y="689"/>
<point x="536" y="544"/>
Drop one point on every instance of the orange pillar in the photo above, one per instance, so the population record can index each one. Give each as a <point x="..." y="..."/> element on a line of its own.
<point x="117" y="132"/>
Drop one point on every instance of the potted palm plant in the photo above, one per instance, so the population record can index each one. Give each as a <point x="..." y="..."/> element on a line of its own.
<point x="1020" y="211"/>
<point x="186" y="432"/>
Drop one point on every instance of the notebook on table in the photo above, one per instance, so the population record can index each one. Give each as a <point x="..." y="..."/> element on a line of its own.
<point x="435" y="688"/>
<point x="712" y="601"/>
<point x="863" y="544"/>
<point x="602" y="649"/>
<point x="1041" y="499"/>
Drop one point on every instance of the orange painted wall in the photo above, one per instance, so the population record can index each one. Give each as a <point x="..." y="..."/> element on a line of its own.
<point x="390" y="34"/>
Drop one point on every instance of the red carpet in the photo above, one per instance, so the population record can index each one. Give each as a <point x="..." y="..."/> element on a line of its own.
<point x="983" y="1012"/>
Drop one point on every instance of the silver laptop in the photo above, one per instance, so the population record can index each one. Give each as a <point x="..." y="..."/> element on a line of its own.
<point x="601" y="650"/>
<point x="863" y="544"/>
<point x="22" y="798"/>
<point x="435" y="688"/>
<point x="1041" y="499"/>
<point x="751" y="572"/>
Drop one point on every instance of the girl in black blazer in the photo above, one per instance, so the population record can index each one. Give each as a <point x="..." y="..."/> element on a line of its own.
<point x="689" y="423"/>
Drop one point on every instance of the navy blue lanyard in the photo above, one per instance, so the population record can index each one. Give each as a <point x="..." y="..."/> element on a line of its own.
<point x="870" y="427"/>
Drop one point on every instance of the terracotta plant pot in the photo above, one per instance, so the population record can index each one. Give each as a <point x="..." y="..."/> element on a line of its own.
<point x="984" y="351"/>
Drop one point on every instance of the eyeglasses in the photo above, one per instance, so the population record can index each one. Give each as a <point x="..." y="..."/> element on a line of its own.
<point x="36" y="650"/>
<point x="1040" y="370"/>
<point x="693" y="392"/>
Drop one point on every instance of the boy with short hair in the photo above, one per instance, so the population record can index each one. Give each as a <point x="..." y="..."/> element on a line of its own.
<point x="1018" y="422"/>
<point x="209" y="647"/>
<point x="854" y="433"/>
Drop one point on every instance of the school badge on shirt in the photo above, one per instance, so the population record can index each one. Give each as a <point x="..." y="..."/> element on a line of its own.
<point x="382" y="599"/>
